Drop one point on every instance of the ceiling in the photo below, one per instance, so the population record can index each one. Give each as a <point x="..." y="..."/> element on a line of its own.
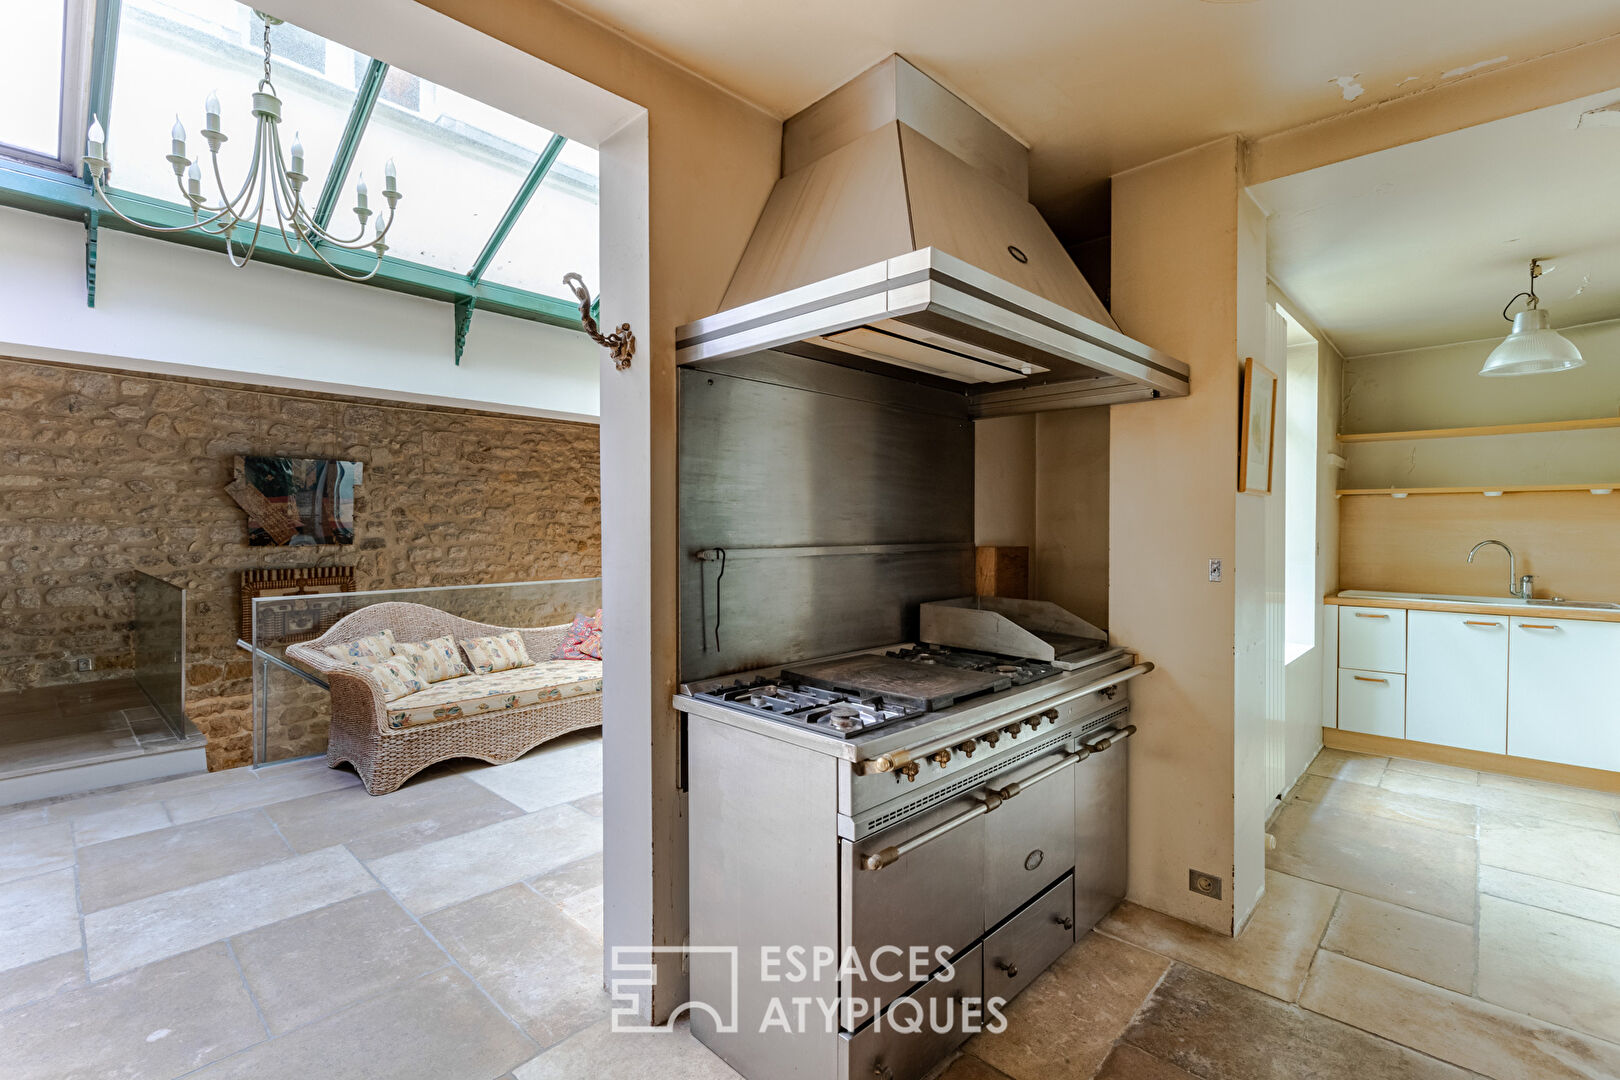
<point x="1098" y="86"/>
<point x="1423" y="244"/>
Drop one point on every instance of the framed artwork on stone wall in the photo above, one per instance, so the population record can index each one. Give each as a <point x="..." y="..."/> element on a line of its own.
<point x="308" y="601"/>
<point x="296" y="501"/>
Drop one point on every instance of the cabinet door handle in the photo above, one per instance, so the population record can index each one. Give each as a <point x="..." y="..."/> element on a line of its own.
<point x="1367" y="615"/>
<point x="1474" y="622"/>
<point x="1365" y="678"/>
<point x="1535" y="626"/>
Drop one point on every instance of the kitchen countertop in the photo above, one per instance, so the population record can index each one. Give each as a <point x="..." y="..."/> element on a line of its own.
<point x="1472" y="605"/>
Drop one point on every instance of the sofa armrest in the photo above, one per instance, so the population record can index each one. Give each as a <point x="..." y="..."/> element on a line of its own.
<point x="354" y="688"/>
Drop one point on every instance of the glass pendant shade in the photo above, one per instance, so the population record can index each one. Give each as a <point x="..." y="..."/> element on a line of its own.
<point x="1533" y="348"/>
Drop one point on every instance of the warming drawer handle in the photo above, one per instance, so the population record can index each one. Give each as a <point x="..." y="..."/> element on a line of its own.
<point x="1117" y="735"/>
<point x="988" y="801"/>
<point x="896" y="759"/>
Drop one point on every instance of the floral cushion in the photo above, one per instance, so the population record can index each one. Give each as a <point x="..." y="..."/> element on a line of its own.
<point x="364" y="651"/>
<point x="499" y="652"/>
<point x="398" y="676"/>
<point x="516" y="688"/>
<point x="437" y="659"/>
<point x="583" y="640"/>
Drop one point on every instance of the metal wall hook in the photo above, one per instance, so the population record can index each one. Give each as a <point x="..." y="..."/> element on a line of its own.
<point x="621" y="344"/>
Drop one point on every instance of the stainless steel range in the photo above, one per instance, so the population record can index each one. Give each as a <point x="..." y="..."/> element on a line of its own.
<point x="938" y="823"/>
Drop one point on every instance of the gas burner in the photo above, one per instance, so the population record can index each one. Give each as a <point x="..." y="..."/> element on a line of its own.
<point x="1020" y="670"/>
<point x="831" y="711"/>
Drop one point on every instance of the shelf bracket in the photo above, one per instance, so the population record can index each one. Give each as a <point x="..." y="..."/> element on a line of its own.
<point x="92" y="226"/>
<point x="464" y="310"/>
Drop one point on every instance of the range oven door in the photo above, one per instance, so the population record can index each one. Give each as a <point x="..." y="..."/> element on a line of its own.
<point x="1101" y="793"/>
<point x="928" y="898"/>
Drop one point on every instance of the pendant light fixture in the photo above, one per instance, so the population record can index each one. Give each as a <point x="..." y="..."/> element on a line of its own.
<point x="273" y="187"/>
<point x="1534" y="346"/>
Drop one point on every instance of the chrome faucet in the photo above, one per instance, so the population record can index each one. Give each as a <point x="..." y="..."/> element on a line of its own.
<point x="1520" y="587"/>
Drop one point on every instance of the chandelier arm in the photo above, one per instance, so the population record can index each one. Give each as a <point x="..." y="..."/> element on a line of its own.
<point x="342" y="273"/>
<point x="100" y="191"/>
<point x="247" y="182"/>
<point x="254" y="173"/>
<point x="294" y="243"/>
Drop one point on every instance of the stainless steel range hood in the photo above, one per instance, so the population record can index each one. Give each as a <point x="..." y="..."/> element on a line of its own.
<point x="901" y="240"/>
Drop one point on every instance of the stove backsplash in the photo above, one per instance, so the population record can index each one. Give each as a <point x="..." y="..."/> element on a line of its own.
<point x="841" y="500"/>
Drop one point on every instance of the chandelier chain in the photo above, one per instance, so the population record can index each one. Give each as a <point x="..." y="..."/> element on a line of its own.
<point x="267" y="51"/>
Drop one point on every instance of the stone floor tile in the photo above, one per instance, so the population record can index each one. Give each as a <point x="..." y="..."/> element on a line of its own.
<point x="1410" y="865"/>
<point x="968" y="1067"/>
<point x="1434" y="770"/>
<point x="41" y="979"/>
<point x="143" y="793"/>
<point x="1218" y="1030"/>
<point x="1346" y="765"/>
<point x="1607" y="800"/>
<point x="1272" y="954"/>
<point x="1065" y="1022"/>
<point x="1521" y="805"/>
<point x="569" y="881"/>
<point x="161" y="1020"/>
<point x="1443" y="814"/>
<point x="116" y="824"/>
<point x="449" y="806"/>
<point x="22" y="817"/>
<point x="591" y="804"/>
<point x="1411" y="942"/>
<point x="603" y="1054"/>
<point x="215" y="802"/>
<point x="1553" y="895"/>
<point x="446" y="872"/>
<point x="438" y="1027"/>
<point x="34" y="850"/>
<point x="312" y="965"/>
<point x="558" y="772"/>
<point x="1129" y="1063"/>
<point x="544" y="971"/>
<point x="39" y="918"/>
<point x="1564" y="853"/>
<point x="139" y="932"/>
<point x="1477" y="1035"/>
<point x="1551" y="966"/>
<point x="148" y="863"/>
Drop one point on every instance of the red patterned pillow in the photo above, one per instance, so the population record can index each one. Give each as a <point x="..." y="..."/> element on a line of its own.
<point x="584" y="639"/>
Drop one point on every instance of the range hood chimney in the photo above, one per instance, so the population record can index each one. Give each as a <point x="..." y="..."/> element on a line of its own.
<point x="901" y="240"/>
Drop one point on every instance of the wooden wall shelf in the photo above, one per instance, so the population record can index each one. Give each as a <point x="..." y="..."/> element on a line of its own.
<point x="1595" y="489"/>
<point x="1473" y="432"/>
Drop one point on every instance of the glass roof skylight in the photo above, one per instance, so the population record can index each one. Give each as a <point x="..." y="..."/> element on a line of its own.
<point x="496" y="209"/>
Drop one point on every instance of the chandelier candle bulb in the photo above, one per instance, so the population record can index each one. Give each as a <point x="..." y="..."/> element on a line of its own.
<point x="390" y="176"/>
<point x="178" y="134"/>
<point x="96" y="143"/>
<point x="211" y="108"/>
<point x="360" y="192"/>
<point x="297" y="154"/>
<point x="194" y="184"/>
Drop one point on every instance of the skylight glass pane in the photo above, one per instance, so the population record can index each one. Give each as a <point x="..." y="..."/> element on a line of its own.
<point x="460" y="164"/>
<point x="173" y="53"/>
<point x="31" y="75"/>
<point x="557" y="233"/>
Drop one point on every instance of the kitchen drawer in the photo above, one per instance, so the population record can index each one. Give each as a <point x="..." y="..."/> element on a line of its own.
<point x="1026" y="944"/>
<point x="1373" y="703"/>
<point x="1029" y="840"/>
<point x="1372" y="639"/>
<point x="955" y="1006"/>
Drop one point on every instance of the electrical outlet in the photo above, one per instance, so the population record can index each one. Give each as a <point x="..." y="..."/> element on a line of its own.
<point x="1214" y="569"/>
<point x="1204" y="884"/>
<point x="84" y="663"/>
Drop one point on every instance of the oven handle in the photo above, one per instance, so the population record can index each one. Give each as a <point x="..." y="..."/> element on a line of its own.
<point x="989" y="800"/>
<point x="895" y="759"/>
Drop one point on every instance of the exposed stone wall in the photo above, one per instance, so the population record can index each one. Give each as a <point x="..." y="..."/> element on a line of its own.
<point x="104" y="473"/>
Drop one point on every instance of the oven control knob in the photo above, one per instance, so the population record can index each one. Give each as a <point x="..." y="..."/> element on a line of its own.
<point x="991" y="737"/>
<point x="909" y="770"/>
<point x="1051" y="716"/>
<point x="968" y="747"/>
<point x="1033" y="722"/>
<point x="1014" y="730"/>
<point x="942" y="758"/>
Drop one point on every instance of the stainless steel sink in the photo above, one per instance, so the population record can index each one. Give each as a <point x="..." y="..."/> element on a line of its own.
<point x="1600" y="605"/>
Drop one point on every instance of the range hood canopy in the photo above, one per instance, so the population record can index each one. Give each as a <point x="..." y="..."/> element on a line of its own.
<point x="901" y="240"/>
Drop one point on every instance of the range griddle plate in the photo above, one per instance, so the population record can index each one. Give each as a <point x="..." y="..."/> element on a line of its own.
<point x="870" y="675"/>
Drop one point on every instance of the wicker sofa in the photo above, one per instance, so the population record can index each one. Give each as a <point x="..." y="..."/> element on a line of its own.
<point x="475" y="716"/>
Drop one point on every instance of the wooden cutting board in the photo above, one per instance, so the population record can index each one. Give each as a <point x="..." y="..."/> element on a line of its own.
<point x="931" y="686"/>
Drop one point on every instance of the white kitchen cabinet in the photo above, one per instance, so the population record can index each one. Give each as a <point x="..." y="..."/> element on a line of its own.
<point x="1457" y="680"/>
<point x="1372" y="639"/>
<point x="1373" y="703"/>
<point x="1564" y="691"/>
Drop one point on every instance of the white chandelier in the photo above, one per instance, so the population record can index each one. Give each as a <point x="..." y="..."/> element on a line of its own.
<point x="270" y="187"/>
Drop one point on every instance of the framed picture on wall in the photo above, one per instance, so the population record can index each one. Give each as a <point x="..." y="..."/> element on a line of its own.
<point x="1258" y="428"/>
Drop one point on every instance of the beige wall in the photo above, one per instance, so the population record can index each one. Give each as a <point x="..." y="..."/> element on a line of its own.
<point x="1172" y="474"/>
<point x="1071" y="502"/>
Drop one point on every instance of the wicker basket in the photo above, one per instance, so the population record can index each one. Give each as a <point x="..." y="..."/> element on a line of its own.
<point x="384" y="757"/>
